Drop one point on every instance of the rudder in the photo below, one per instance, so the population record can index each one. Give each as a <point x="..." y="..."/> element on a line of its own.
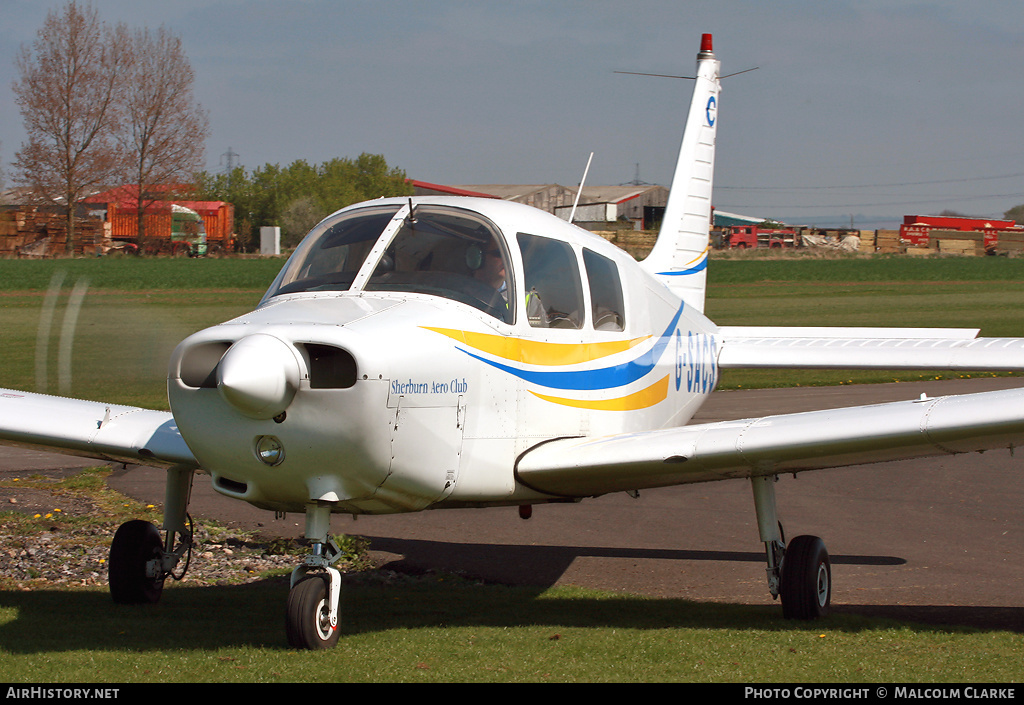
<point x="680" y="255"/>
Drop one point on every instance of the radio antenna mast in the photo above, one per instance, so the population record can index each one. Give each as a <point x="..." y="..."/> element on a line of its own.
<point x="579" y="191"/>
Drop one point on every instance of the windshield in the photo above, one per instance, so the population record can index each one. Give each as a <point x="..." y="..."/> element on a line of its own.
<point x="330" y="256"/>
<point x="444" y="252"/>
<point x="451" y="253"/>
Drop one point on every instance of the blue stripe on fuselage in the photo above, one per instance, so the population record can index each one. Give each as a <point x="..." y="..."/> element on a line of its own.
<point x="589" y="380"/>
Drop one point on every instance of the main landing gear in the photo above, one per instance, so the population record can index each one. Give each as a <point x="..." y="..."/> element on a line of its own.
<point x="799" y="573"/>
<point x="140" y="560"/>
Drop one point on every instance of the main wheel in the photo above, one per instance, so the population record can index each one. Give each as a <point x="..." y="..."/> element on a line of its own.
<point x="308" y="620"/>
<point x="806" y="586"/>
<point x="135" y="544"/>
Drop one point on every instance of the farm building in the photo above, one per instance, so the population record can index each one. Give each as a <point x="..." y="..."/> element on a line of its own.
<point x="600" y="207"/>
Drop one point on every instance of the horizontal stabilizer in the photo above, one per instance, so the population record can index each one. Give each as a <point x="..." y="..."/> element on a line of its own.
<point x="108" y="432"/>
<point x="867" y="348"/>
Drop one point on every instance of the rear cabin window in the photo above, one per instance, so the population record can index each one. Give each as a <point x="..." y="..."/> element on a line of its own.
<point x="606" y="307"/>
<point x="554" y="294"/>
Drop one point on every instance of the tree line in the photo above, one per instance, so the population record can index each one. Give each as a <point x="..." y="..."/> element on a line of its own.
<point x="298" y="196"/>
<point x="106" y="105"/>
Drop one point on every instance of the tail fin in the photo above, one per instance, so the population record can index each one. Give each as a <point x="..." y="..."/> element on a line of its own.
<point x="680" y="255"/>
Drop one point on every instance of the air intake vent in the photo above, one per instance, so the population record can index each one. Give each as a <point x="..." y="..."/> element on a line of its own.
<point x="330" y="367"/>
<point x="231" y="486"/>
<point x="199" y="364"/>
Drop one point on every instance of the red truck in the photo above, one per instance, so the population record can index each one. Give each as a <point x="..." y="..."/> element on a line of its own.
<point x="743" y="236"/>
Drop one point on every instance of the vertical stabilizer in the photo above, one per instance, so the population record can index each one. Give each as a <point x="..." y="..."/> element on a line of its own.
<point x="680" y="255"/>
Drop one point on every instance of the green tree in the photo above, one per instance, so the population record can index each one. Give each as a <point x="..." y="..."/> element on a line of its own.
<point x="301" y="194"/>
<point x="1016" y="213"/>
<point x="298" y="218"/>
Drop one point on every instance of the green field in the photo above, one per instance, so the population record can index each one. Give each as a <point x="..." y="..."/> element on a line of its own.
<point x="444" y="629"/>
<point x="955" y="292"/>
<point x="136" y="310"/>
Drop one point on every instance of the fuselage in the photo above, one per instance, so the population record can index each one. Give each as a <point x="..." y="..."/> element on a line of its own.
<point x="412" y="349"/>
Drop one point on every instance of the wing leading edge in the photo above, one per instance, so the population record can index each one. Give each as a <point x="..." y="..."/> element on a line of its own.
<point x="92" y="429"/>
<point x="580" y="467"/>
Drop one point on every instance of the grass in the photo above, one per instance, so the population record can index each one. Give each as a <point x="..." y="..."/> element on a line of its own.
<point x="137" y="310"/>
<point x="441" y="628"/>
<point x="986" y="293"/>
<point x="142" y="274"/>
<point x="450" y="630"/>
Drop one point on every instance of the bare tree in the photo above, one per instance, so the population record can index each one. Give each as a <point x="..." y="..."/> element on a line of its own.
<point x="165" y="128"/>
<point x="68" y="95"/>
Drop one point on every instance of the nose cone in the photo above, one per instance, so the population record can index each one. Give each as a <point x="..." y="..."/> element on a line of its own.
<point x="258" y="376"/>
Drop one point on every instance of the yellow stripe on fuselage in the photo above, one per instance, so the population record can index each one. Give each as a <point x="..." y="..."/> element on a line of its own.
<point x="638" y="400"/>
<point x="535" y="352"/>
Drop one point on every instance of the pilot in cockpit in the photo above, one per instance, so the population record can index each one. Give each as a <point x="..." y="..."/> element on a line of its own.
<point x="492" y="270"/>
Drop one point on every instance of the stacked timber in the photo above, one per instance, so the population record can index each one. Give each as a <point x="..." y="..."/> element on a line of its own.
<point x="1011" y="243"/>
<point x="888" y="242"/>
<point x="957" y="242"/>
<point x="637" y="243"/>
<point x="39" y="231"/>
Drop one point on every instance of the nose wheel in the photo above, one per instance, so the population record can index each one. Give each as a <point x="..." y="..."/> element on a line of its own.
<point x="309" y="620"/>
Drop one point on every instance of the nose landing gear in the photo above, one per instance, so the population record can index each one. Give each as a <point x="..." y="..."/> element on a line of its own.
<point x="314" y="603"/>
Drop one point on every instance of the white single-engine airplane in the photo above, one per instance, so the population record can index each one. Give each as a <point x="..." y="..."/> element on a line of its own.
<point x="424" y="353"/>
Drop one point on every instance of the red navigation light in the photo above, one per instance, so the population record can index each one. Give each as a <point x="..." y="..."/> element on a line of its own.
<point x="705" y="42"/>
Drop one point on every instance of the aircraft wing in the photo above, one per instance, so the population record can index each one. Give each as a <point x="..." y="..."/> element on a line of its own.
<point x="867" y="348"/>
<point x="580" y="467"/>
<point x="92" y="429"/>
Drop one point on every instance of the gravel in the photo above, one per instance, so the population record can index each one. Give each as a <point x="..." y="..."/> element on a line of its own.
<point x="58" y="548"/>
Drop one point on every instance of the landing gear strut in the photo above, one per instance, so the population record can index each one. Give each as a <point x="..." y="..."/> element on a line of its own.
<point x="314" y="603"/>
<point x="140" y="560"/>
<point x="800" y="573"/>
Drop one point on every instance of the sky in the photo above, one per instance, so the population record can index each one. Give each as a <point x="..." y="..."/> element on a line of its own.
<point x="858" y="112"/>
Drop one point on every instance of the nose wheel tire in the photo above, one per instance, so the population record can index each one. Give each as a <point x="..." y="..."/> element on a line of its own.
<point x="806" y="585"/>
<point x="136" y="544"/>
<point x="308" y="619"/>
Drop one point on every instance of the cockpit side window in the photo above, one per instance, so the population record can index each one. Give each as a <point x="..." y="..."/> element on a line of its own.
<point x="554" y="295"/>
<point x="450" y="253"/>
<point x="330" y="256"/>
<point x="607" y="310"/>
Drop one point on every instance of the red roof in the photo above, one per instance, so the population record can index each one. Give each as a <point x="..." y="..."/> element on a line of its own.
<point x="447" y="189"/>
<point x="126" y="198"/>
